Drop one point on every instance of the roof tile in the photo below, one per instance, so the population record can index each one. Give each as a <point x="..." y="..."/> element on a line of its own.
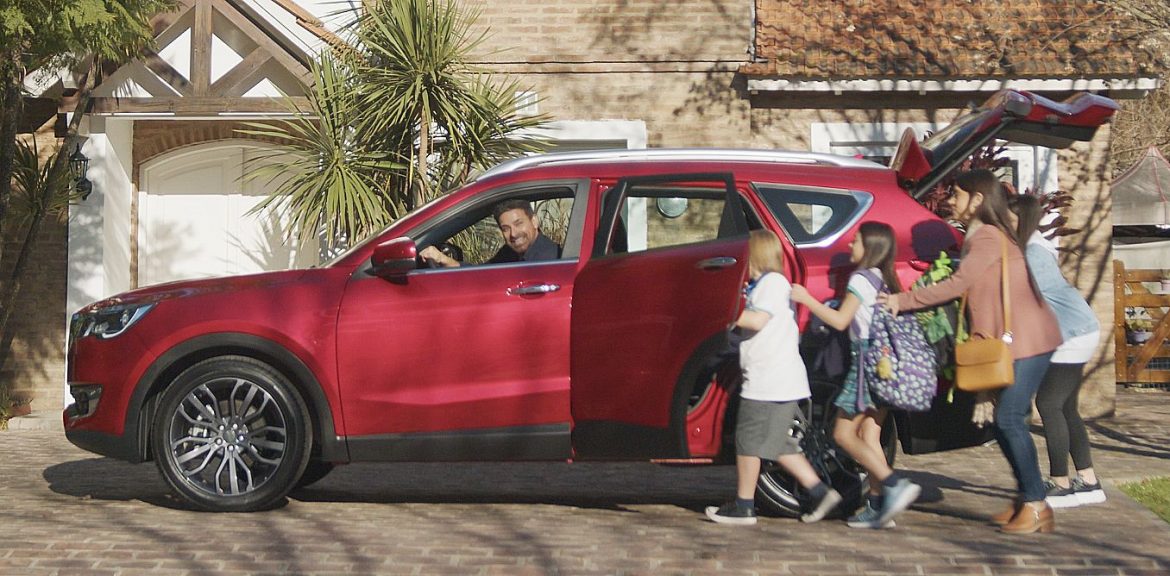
<point x="949" y="38"/>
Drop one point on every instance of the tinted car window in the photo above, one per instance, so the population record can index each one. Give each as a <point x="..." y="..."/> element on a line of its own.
<point x="657" y="217"/>
<point x="809" y="216"/>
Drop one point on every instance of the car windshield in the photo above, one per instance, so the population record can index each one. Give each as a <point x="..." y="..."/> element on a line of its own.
<point x="334" y="259"/>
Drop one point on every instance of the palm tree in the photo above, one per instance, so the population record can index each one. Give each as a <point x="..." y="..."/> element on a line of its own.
<point x="398" y="116"/>
<point x="331" y="179"/>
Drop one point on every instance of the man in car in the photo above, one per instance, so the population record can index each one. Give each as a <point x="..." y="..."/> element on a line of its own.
<point x="523" y="241"/>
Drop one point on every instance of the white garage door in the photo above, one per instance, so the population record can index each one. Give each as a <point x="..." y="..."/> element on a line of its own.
<point x="193" y="219"/>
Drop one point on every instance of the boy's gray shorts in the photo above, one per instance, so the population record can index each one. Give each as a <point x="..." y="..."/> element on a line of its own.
<point x="764" y="429"/>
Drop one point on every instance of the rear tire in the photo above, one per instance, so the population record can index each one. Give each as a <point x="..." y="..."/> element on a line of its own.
<point x="778" y="493"/>
<point x="231" y="434"/>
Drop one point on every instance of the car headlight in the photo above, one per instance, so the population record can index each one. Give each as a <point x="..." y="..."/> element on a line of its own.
<point x="111" y="322"/>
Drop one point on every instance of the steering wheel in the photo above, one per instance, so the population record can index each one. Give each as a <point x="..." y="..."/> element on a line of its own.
<point x="448" y="249"/>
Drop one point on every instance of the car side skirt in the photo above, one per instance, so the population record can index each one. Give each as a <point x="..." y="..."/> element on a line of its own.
<point x="543" y="442"/>
<point x="623" y="441"/>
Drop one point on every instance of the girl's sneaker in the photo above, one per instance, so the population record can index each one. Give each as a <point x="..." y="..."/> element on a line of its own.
<point x="1058" y="497"/>
<point x="828" y="502"/>
<point x="1087" y="493"/>
<point x="897" y="498"/>
<point x="731" y="514"/>
<point x="868" y="518"/>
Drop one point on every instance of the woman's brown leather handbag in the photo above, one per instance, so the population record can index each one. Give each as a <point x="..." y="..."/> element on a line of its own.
<point x="986" y="363"/>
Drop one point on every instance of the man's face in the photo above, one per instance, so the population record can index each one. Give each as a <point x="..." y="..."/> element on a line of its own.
<point x="518" y="229"/>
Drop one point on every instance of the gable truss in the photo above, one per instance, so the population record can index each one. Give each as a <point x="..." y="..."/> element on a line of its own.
<point x="214" y="57"/>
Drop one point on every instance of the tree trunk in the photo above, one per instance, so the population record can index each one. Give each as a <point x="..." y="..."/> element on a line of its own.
<point x="424" y="149"/>
<point x="11" y="104"/>
<point x="11" y="288"/>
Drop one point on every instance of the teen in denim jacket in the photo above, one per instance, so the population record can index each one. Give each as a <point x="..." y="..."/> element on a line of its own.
<point x="1057" y="398"/>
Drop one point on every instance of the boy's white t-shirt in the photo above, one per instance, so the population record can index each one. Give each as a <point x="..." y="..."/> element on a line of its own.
<point x="864" y="290"/>
<point x="773" y="370"/>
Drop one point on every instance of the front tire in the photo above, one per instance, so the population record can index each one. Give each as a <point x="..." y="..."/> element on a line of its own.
<point x="231" y="434"/>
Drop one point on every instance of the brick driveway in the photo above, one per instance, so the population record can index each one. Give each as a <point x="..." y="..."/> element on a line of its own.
<point x="64" y="511"/>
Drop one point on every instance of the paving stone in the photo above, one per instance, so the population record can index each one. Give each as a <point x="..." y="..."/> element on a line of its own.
<point x="66" y="511"/>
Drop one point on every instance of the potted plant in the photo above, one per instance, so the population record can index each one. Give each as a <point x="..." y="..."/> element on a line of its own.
<point x="20" y="406"/>
<point x="12" y="406"/>
<point x="1138" y="330"/>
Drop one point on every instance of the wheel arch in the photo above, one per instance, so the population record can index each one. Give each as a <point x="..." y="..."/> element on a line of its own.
<point x="705" y="357"/>
<point x="173" y="362"/>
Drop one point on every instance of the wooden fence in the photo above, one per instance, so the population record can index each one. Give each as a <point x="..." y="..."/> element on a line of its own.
<point x="1133" y="359"/>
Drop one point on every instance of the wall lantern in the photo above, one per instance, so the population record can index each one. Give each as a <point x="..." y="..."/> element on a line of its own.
<point x="78" y="165"/>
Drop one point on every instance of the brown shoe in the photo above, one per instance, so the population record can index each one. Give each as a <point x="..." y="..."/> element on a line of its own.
<point x="1032" y="517"/>
<point x="1006" y="516"/>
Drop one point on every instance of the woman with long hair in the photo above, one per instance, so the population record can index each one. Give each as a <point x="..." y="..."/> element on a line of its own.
<point x="978" y="201"/>
<point x="1057" y="399"/>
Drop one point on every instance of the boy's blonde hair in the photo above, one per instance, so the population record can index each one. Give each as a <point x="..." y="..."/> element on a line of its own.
<point x="765" y="252"/>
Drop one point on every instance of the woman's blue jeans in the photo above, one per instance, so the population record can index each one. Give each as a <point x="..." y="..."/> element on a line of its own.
<point x="1011" y="425"/>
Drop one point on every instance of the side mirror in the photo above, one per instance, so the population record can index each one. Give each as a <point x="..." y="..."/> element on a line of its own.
<point x="394" y="258"/>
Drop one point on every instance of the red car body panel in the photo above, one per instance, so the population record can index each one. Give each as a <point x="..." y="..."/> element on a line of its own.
<point x="450" y="350"/>
<point x="296" y="310"/>
<point x="638" y="318"/>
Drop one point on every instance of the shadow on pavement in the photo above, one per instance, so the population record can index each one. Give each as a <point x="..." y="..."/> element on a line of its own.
<point x="109" y="479"/>
<point x="597" y="486"/>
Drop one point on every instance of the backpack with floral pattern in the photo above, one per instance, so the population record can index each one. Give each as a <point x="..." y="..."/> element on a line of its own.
<point x="897" y="363"/>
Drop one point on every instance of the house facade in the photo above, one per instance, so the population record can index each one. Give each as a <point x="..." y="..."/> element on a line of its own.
<point x="166" y="157"/>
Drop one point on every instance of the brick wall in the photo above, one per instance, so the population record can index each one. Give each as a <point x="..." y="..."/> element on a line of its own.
<point x="36" y="367"/>
<point x="154" y="137"/>
<point x="668" y="63"/>
<point x="1087" y="260"/>
<point x="675" y="32"/>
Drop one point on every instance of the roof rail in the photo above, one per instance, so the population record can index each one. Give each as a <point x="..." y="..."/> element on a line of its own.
<point x="699" y="154"/>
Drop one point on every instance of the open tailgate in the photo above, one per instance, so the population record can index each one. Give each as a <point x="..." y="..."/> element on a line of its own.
<point x="1012" y="115"/>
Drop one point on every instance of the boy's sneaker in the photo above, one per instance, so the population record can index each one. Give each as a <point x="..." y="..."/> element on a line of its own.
<point x="1087" y="493"/>
<point x="868" y="518"/>
<point x="1058" y="497"/>
<point x="828" y="502"/>
<point x="731" y="514"/>
<point x="897" y="499"/>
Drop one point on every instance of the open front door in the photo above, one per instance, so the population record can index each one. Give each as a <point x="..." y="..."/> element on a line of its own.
<point x="652" y="304"/>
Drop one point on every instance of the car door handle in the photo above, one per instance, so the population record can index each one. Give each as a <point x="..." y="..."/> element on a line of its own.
<point x="533" y="289"/>
<point x="716" y="263"/>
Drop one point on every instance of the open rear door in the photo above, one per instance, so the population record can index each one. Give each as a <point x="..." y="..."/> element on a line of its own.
<point x="653" y="302"/>
<point x="1012" y="115"/>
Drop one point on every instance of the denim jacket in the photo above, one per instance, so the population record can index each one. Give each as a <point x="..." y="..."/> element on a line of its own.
<point x="1073" y="314"/>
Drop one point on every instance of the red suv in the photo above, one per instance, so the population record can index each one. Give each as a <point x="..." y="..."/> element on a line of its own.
<point x="243" y="388"/>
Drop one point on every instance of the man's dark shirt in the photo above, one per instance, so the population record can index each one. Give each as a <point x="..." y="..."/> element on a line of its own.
<point x="541" y="249"/>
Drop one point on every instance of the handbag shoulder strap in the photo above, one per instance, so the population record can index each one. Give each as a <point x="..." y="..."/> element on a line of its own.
<point x="1007" y="301"/>
<point x="1004" y="294"/>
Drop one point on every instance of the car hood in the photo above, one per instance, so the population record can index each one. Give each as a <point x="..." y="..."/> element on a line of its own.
<point x="188" y="288"/>
<point x="1012" y="115"/>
